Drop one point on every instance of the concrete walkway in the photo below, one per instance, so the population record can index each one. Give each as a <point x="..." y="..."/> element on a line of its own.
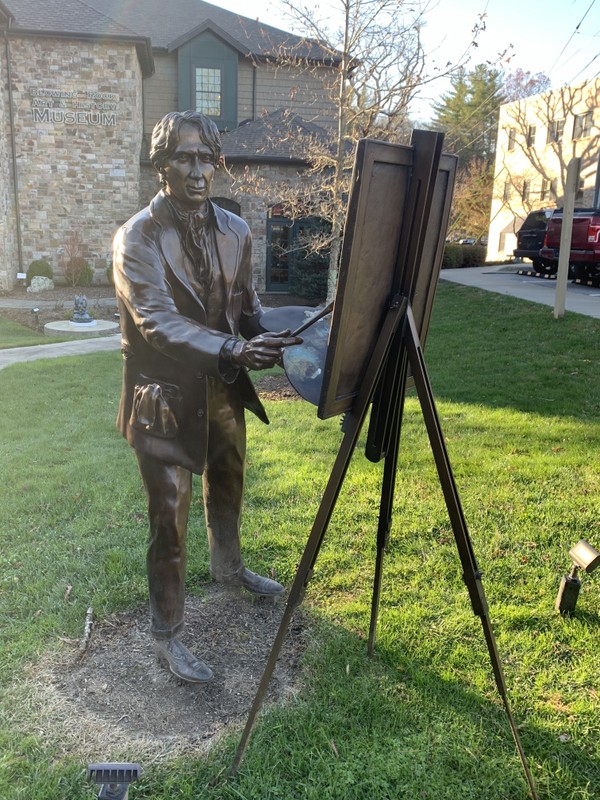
<point x="580" y="300"/>
<point x="17" y="355"/>
<point x="74" y="347"/>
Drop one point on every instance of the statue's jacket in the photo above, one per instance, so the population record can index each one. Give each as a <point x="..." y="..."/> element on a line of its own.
<point x="168" y="350"/>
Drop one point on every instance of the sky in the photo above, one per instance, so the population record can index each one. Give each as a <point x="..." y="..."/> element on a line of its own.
<point x="560" y="38"/>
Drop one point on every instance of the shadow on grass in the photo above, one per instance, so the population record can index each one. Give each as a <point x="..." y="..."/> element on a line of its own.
<point x="383" y="727"/>
<point x="504" y="352"/>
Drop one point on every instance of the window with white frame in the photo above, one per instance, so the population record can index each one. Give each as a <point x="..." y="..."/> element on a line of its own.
<point x="208" y="91"/>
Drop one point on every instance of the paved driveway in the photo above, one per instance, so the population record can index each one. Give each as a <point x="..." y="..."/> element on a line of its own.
<point x="580" y="299"/>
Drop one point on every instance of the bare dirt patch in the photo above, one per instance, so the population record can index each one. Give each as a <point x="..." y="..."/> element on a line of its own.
<point x="275" y="387"/>
<point x="117" y="699"/>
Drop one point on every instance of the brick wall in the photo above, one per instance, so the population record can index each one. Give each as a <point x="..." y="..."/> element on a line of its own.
<point x="78" y="131"/>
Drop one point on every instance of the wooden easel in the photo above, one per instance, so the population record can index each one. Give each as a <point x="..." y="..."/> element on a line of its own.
<point x="396" y="357"/>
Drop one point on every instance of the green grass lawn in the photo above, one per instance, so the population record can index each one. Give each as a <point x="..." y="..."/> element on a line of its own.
<point x="14" y="335"/>
<point x="519" y="398"/>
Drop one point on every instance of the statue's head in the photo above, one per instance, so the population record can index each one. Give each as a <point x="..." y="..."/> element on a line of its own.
<point x="165" y="136"/>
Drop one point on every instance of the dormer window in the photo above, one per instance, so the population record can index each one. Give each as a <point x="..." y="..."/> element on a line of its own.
<point x="208" y="78"/>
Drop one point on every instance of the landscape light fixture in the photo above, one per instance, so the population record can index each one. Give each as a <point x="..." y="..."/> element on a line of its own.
<point x="584" y="557"/>
<point x="35" y="311"/>
<point x="115" y="779"/>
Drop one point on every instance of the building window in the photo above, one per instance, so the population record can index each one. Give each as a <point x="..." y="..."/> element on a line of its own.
<point x="506" y="193"/>
<point x="545" y="190"/>
<point x="554" y="188"/>
<point x="531" y="136"/>
<point x="525" y="192"/>
<point x="579" y="192"/>
<point x="512" y="135"/>
<point x="582" y="126"/>
<point x="555" y="130"/>
<point x="208" y="91"/>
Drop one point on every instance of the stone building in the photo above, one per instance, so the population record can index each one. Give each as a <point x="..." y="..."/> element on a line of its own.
<point x="82" y="85"/>
<point x="537" y="137"/>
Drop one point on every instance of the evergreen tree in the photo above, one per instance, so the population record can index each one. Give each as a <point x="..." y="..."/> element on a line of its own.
<point x="468" y="113"/>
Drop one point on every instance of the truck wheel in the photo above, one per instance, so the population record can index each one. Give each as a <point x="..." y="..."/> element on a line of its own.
<point x="580" y="272"/>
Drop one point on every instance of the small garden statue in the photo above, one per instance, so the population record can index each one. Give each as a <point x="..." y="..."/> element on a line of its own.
<point x="80" y="310"/>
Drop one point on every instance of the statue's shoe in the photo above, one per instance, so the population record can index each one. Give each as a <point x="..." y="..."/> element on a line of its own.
<point x="181" y="662"/>
<point x="262" y="587"/>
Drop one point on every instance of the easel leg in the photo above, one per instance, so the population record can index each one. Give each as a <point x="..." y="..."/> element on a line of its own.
<point x="355" y="422"/>
<point x="471" y="574"/>
<point x="303" y="575"/>
<point x="385" y="516"/>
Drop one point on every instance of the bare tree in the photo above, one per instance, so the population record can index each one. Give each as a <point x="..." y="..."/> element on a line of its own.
<point x="376" y="65"/>
<point x="470" y="215"/>
<point x="521" y="84"/>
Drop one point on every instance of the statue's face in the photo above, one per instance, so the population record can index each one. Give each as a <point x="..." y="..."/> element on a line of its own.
<point x="190" y="171"/>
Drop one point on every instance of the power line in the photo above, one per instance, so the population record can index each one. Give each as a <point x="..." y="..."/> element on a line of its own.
<point x="583" y="69"/>
<point x="572" y="35"/>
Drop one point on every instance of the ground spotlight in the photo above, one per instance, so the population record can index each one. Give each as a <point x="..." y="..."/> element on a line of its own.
<point x="584" y="557"/>
<point x="115" y="779"/>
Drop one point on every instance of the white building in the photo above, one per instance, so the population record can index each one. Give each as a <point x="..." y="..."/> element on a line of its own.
<point x="537" y="137"/>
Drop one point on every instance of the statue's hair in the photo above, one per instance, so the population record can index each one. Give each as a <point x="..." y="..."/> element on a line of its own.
<point x="165" y="136"/>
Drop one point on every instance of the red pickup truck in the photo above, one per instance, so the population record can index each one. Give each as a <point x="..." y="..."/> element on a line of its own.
<point x="584" y="259"/>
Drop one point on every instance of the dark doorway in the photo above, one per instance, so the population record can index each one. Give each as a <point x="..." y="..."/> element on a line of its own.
<point x="287" y="252"/>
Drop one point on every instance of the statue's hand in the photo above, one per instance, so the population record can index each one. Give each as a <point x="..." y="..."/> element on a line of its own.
<point x="263" y="351"/>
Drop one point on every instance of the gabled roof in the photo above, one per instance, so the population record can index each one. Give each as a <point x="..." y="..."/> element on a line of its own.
<point x="73" y="18"/>
<point x="208" y="25"/>
<point x="281" y="136"/>
<point x="167" y="23"/>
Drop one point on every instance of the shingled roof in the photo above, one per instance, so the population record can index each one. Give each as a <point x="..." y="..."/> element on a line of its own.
<point x="276" y="137"/>
<point x="77" y="18"/>
<point x="64" y="16"/>
<point x="166" y="24"/>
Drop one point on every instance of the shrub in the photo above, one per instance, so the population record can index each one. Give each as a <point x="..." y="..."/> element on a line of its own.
<point x="39" y="267"/>
<point x="78" y="272"/>
<point x="453" y="256"/>
<point x="109" y="275"/>
<point x="473" y="255"/>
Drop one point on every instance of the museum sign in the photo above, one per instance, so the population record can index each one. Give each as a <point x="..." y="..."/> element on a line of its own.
<point x="74" y="107"/>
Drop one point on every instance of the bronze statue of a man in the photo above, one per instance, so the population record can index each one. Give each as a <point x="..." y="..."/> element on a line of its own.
<point x="183" y="278"/>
